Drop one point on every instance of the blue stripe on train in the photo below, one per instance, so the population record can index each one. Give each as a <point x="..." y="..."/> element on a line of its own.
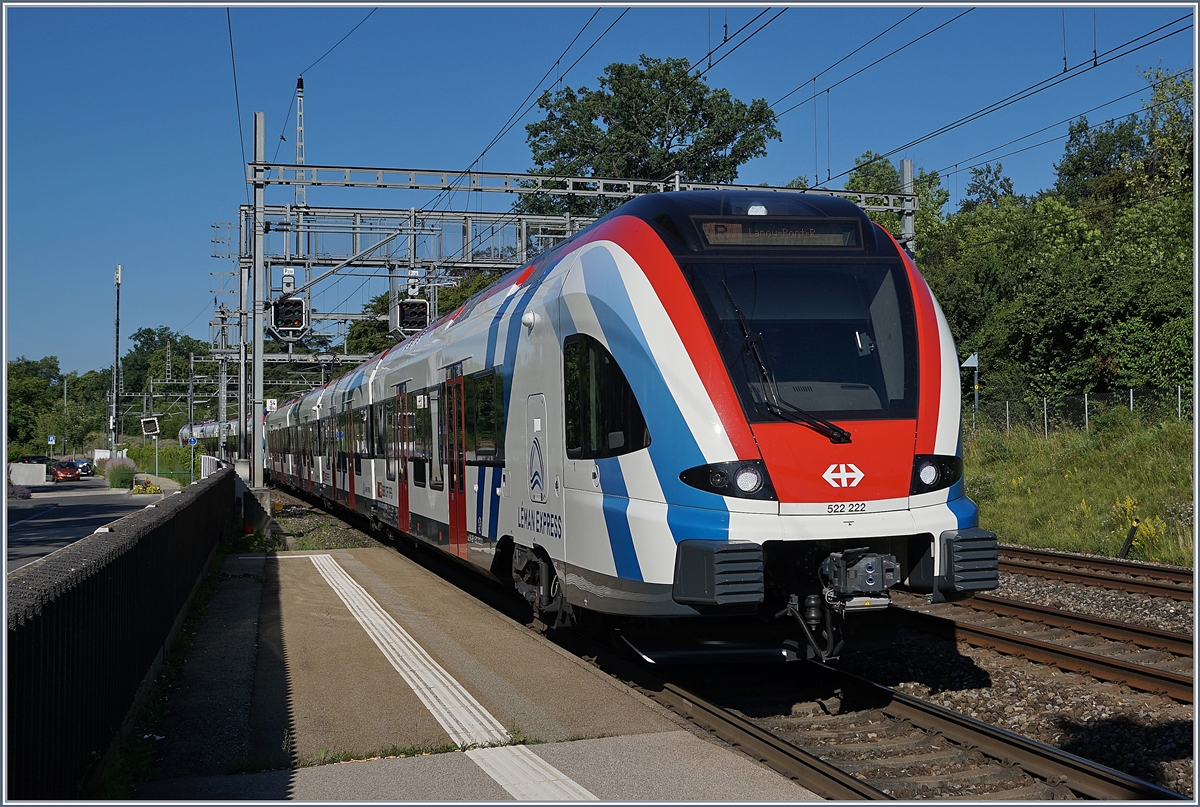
<point x="673" y="448"/>
<point x="616" y="519"/>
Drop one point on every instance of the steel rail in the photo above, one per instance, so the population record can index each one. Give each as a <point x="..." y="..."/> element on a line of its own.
<point x="1114" y="565"/>
<point x="812" y="772"/>
<point x="1173" y="685"/>
<point x="1178" y="643"/>
<point x="1171" y="583"/>
<point x="1084" y="777"/>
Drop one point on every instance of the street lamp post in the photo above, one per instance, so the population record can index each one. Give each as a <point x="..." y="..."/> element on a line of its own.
<point x="112" y="423"/>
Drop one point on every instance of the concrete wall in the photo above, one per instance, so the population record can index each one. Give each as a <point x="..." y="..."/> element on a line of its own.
<point x="26" y="473"/>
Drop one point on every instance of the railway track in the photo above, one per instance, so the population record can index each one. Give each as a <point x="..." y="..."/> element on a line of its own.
<point x="1141" y="658"/>
<point x="1110" y="573"/>
<point x="844" y="737"/>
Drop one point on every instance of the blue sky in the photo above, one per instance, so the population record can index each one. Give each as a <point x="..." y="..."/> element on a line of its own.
<point x="122" y="137"/>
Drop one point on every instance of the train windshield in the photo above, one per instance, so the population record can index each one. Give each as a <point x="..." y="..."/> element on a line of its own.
<point x="835" y="339"/>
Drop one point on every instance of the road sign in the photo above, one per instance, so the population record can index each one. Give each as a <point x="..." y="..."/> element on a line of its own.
<point x="191" y="441"/>
<point x="50" y="439"/>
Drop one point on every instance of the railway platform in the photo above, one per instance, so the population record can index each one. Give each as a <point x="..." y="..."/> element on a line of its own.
<point x="303" y="659"/>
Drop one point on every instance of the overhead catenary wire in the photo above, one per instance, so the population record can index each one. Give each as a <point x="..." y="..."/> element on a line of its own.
<point x="287" y="117"/>
<point x="236" y="97"/>
<point x="947" y="170"/>
<point x="513" y="217"/>
<point x="1030" y="91"/>
<point x="847" y="56"/>
<point x="522" y="110"/>
<point x="868" y="67"/>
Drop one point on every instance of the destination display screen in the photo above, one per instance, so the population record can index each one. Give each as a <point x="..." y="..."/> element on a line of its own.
<point x="762" y="231"/>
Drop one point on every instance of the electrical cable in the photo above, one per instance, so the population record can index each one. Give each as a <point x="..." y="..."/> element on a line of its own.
<point x="868" y="67"/>
<point x="288" y="116"/>
<point x="844" y="58"/>
<point x="236" y="97"/>
<point x="728" y="38"/>
<point x="749" y="36"/>
<point x="946" y="171"/>
<point x="522" y="109"/>
<point x="513" y="217"/>
<point x="340" y="41"/>
<point x="1029" y="92"/>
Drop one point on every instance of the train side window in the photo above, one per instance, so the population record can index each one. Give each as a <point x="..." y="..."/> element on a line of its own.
<point x="385" y="430"/>
<point x="422" y="436"/>
<point x="482" y="415"/>
<point x="439" y="439"/>
<point x="603" y="418"/>
<point x="343" y="439"/>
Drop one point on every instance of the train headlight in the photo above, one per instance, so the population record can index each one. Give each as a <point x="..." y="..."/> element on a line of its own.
<point x="934" y="472"/>
<point x="743" y="479"/>
<point x="748" y="479"/>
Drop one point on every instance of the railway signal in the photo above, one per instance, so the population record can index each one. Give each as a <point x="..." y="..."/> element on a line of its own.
<point x="289" y="318"/>
<point x="414" y="314"/>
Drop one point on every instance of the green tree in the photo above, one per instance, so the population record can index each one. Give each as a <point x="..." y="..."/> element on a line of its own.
<point x="988" y="186"/>
<point x="645" y="121"/>
<point x="874" y="173"/>
<point x="1098" y="161"/>
<point x="371" y="335"/>
<point x="34" y="386"/>
<point x="1167" y="124"/>
<point x="148" y="356"/>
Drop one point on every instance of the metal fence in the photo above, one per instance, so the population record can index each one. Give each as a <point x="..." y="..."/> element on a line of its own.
<point x="89" y="625"/>
<point x="1078" y="411"/>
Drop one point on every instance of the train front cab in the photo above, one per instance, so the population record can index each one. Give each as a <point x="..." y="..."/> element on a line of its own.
<point x="839" y="398"/>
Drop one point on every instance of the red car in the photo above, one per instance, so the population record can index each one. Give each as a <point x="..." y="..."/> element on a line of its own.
<point x="65" y="470"/>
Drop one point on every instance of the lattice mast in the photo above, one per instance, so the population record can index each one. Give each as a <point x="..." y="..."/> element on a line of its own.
<point x="300" y="198"/>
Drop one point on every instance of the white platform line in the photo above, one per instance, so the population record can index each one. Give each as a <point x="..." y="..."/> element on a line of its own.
<point x="526" y="776"/>
<point x="463" y="718"/>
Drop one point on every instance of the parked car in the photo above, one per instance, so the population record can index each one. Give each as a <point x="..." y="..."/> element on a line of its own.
<point x="85" y="467"/>
<point x="65" y="470"/>
<point x="42" y="458"/>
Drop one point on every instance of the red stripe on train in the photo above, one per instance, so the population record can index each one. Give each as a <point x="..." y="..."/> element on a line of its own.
<point x="929" y="352"/>
<point x="661" y="269"/>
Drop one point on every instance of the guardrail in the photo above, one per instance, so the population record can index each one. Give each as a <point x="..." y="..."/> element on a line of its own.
<point x="89" y="627"/>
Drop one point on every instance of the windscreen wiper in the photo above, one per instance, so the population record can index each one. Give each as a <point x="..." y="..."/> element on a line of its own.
<point x="835" y="433"/>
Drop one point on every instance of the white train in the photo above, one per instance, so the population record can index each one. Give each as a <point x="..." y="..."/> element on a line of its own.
<point x="706" y="403"/>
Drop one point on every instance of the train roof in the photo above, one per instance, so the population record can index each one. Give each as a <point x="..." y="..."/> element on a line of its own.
<point x="675" y="215"/>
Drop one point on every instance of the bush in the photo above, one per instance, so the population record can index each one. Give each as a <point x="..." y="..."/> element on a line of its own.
<point x="18" y="492"/>
<point x="172" y="459"/>
<point x="119" y="471"/>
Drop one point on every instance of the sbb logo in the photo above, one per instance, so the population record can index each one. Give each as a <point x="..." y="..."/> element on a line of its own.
<point x="843" y="475"/>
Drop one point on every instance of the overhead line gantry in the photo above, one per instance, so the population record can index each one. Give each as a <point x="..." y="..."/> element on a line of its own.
<point x="391" y="240"/>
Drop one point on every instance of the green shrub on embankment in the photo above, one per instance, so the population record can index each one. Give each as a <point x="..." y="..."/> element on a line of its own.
<point x="119" y="472"/>
<point x="1080" y="490"/>
<point x="173" y="460"/>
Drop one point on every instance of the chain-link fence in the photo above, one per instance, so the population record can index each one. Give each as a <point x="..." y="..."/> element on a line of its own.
<point x="1078" y="411"/>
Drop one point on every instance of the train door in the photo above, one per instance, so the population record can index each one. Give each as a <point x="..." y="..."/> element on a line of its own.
<point x="402" y="442"/>
<point x="542" y="519"/>
<point x="456" y="465"/>
<point x="328" y="448"/>
<point x="341" y="460"/>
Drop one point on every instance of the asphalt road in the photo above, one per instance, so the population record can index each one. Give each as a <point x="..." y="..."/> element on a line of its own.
<point x="60" y="514"/>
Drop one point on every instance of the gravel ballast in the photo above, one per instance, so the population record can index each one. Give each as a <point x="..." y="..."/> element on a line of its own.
<point x="1143" y="735"/>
